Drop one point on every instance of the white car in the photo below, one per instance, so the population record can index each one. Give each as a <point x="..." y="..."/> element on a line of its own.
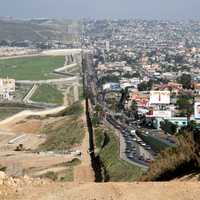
<point x="133" y="131"/>
<point x="143" y="144"/>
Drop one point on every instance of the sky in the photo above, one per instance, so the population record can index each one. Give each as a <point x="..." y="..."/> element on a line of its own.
<point x="114" y="9"/>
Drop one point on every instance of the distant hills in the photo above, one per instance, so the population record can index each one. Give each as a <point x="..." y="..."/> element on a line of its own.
<point x="39" y="30"/>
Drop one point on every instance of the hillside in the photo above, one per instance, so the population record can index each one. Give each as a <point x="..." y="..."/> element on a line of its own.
<point x="36" y="30"/>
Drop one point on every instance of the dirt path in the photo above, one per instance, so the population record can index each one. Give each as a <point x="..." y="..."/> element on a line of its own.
<point x="66" y="97"/>
<point x="9" y="122"/>
<point x="84" y="172"/>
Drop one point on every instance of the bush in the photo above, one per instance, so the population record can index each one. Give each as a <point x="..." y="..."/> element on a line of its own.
<point x="174" y="162"/>
<point x="50" y="175"/>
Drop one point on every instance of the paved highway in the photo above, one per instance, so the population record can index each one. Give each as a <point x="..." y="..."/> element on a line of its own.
<point x="130" y="150"/>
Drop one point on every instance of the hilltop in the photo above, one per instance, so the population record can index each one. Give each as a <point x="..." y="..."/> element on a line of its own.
<point x="36" y="189"/>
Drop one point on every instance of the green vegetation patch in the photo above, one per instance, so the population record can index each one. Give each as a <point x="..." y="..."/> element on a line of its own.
<point x="73" y="163"/>
<point x="50" y="175"/>
<point x="63" y="134"/>
<point x="116" y="169"/>
<point x="21" y="91"/>
<point x="48" y="94"/>
<point x="157" y="145"/>
<point x="31" y="68"/>
<point x="75" y="109"/>
<point x="81" y="93"/>
<point x="6" y="112"/>
<point x="66" y="175"/>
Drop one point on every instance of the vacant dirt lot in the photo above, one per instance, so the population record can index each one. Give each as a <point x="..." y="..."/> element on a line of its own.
<point x="26" y="126"/>
<point x="19" y="163"/>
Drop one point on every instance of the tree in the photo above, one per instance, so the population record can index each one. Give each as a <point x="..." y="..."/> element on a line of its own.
<point x="134" y="106"/>
<point x="185" y="105"/>
<point x="145" y="86"/>
<point x="109" y="78"/>
<point x="192" y="125"/>
<point x="185" y="80"/>
<point x="95" y="120"/>
<point x="134" y="109"/>
<point x="98" y="112"/>
<point x="168" y="127"/>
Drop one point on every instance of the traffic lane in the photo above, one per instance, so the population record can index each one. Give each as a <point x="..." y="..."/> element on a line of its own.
<point x="140" y="155"/>
<point x="145" y="154"/>
<point x="134" y="161"/>
<point x="124" y="155"/>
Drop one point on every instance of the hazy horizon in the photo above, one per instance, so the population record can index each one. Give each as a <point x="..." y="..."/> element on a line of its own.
<point x="114" y="9"/>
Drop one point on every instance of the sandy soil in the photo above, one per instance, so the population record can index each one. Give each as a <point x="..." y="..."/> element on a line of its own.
<point x="18" y="162"/>
<point x="84" y="172"/>
<point x="31" y="126"/>
<point x="9" y="122"/>
<point x="108" y="191"/>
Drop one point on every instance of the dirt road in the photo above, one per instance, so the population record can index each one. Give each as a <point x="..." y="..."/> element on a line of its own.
<point x="84" y="172"/>
<point x="9" y="122"/>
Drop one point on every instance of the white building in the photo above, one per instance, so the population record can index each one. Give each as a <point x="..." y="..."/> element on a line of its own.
<point x="7" y="88"/>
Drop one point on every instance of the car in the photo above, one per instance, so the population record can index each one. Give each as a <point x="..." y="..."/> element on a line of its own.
<point x="123" y="131"/>
<point x="130" y="156"/>
<point x="138" y="140"/>
<point x="143" y="144"/>
<point x="133" y="132"/>
<point x="134" y="139"/>
<point x="148" y="147"/>
<point x="140" y="158"/>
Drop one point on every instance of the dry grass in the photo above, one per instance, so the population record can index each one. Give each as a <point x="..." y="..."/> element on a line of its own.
<point x="175" y="162"/>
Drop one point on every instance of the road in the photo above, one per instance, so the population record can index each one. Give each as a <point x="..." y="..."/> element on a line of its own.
<point x="24" y="114"/>
<point x="30" y="94"/>
<point x="66" y="80"/>
<point x="124" y="145"/>
<point x="123" y="155"/>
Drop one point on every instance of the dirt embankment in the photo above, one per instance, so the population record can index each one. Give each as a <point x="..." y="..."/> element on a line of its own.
<point x="30" y="189"/>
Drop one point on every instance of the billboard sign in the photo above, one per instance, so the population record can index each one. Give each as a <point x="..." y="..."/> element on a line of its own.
<point x="197" y="110"/>
<point x="159" y="97"/>
<point x="162" y="113"/>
